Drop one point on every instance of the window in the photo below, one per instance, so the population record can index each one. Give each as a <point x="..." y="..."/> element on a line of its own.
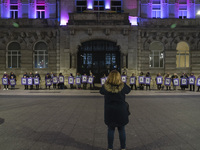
<point x="182" y="56"/>
<point x="14" y="9"/>
<point x="40" y="9"/>
<point x="156" y="9"/>
<point x="14" y="55"/>
<point x="41" y="55"/>
<point x="116" y="5"/>
<point x="99" y="5"/>
<point x="156" y="57"/>
<point x="81" y="5"/>
<point x="182" y="9"/>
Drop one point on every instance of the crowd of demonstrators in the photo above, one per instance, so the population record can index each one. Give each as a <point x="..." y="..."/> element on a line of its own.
<point x="169" y="82"/>
<point x="166" y="81"/>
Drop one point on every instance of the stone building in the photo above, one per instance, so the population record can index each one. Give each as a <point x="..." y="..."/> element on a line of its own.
<point x="71" y="36"/>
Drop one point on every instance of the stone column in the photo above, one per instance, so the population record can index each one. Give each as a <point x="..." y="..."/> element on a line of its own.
<point x="67" y="58"/>
<point x="73" y="60"/>
<point x="3" y="60"/>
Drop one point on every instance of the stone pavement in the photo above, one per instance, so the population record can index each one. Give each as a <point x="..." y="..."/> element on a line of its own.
<point x="20" y="91"/>
<point x="73" y="120"/>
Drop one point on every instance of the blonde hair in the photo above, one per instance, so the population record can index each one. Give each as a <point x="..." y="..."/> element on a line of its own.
<point x="114" y="78"/>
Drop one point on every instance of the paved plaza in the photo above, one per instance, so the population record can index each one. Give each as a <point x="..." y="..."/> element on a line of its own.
<point x="66" y="120"/>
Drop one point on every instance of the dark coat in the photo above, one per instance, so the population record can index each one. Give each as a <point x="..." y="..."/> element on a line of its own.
<point x="115" y="108"/>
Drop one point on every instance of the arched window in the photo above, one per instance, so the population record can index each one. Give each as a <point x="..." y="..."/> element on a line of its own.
<point x="14" y="55"/>
<point x="156" y="57"/>
<point x="182" y="55"/>
<point x="41" y="55"/>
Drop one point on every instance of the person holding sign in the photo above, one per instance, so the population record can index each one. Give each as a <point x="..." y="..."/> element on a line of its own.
<point x="37" y="82"/>
<point x="71" y="81"/>
<point x="31" y="75"/>
<point x="192" y="79"/>
<point x="133" y="80"/>
<point x="54" y="80"/>
<point x="78" y="80"/>
<point x="159" y="81"/>
<point x="84" y="81"/>
<point x="24" y="81"/>
<point x="184" y="81"/>
<point x="168" y="82"/>
<point x="92" y="87"/>
<point x="13" y="79"/>
<point x="198" y="83"/>
<point x="148" y="80"/>
<point x="174" y="76"/>
<point x="61" y="81"/>
<point x="116" y="109"/>
<point x="48" y="80"/>
<point x="141" y="81"/>
<point x="5" y="81"/>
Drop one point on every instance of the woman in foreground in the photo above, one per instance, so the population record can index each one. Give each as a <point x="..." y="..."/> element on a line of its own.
<point x="115" y="109"/>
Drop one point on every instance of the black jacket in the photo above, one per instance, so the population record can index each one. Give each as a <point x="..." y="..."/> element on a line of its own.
<point x="115" y="107"/>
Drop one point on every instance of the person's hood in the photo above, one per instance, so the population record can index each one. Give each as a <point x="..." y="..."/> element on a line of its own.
<point x="113" y="88"/>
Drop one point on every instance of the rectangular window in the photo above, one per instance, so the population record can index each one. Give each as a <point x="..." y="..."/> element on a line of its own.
<point x="14" y="59"/>
<point x="81" y="5"/>
<point x="182" y="11"/>
<point x="156" y="59"/>
<point x="116" y="5"/>
<point x="182" y="59"/>
<point x="40" y="11"/>
<point x="156" y="9"/>
<point x="14" y="11"/>
<point x="99" y="5"/>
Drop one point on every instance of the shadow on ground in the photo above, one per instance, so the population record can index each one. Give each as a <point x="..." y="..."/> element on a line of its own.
<point x="2" y="121"/>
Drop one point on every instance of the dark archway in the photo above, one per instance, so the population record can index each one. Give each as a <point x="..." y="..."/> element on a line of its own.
<point x="99" y="57"/>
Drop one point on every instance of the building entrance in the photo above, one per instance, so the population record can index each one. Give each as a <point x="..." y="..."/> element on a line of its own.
<point x="98" y="57"/>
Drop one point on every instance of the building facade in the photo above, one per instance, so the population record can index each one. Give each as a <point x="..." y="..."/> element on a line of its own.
<point x="70" y="36"/>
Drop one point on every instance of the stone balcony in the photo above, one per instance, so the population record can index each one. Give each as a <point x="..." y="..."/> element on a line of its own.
<point x="34" y="23"/>
<point x="182" y="23"/>
<point x="98" y="18"/>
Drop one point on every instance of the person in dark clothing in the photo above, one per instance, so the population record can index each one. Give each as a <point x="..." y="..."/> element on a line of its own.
<point x="38" y="76"/>
<point x="133" y="75"/>
<point x="192" y="86"/>
<point x="141" y="86"/>
<point x="158" y="84"/>
<point x="148" y="85"/>
<point x="5" y="75"/>
<point x="47" y="77"/>
<point x="31" y="75"/>
<point x="25" y="76"/>
<point x="184" y="76"/>
<point x="115" y="107"/>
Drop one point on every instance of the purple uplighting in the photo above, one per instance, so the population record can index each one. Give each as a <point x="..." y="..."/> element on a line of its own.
<point x="133" y="20"/>
<point x="107" y="4"/>
<point x="90" y="4"/>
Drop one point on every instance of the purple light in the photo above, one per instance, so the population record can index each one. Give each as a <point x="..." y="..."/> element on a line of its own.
<point x="90" y="4"/>
<point x="107" y="4"/>
<point x="63" y="21"/>
<point x="133" y="20"/>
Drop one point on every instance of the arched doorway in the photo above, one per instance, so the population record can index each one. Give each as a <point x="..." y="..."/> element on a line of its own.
<point x="99" y="57"/>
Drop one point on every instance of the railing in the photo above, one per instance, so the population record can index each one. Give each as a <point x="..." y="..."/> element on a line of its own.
<point x="169" y="22"/>
<point x="96" y="18"/>
<point x="28" y="22"/>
